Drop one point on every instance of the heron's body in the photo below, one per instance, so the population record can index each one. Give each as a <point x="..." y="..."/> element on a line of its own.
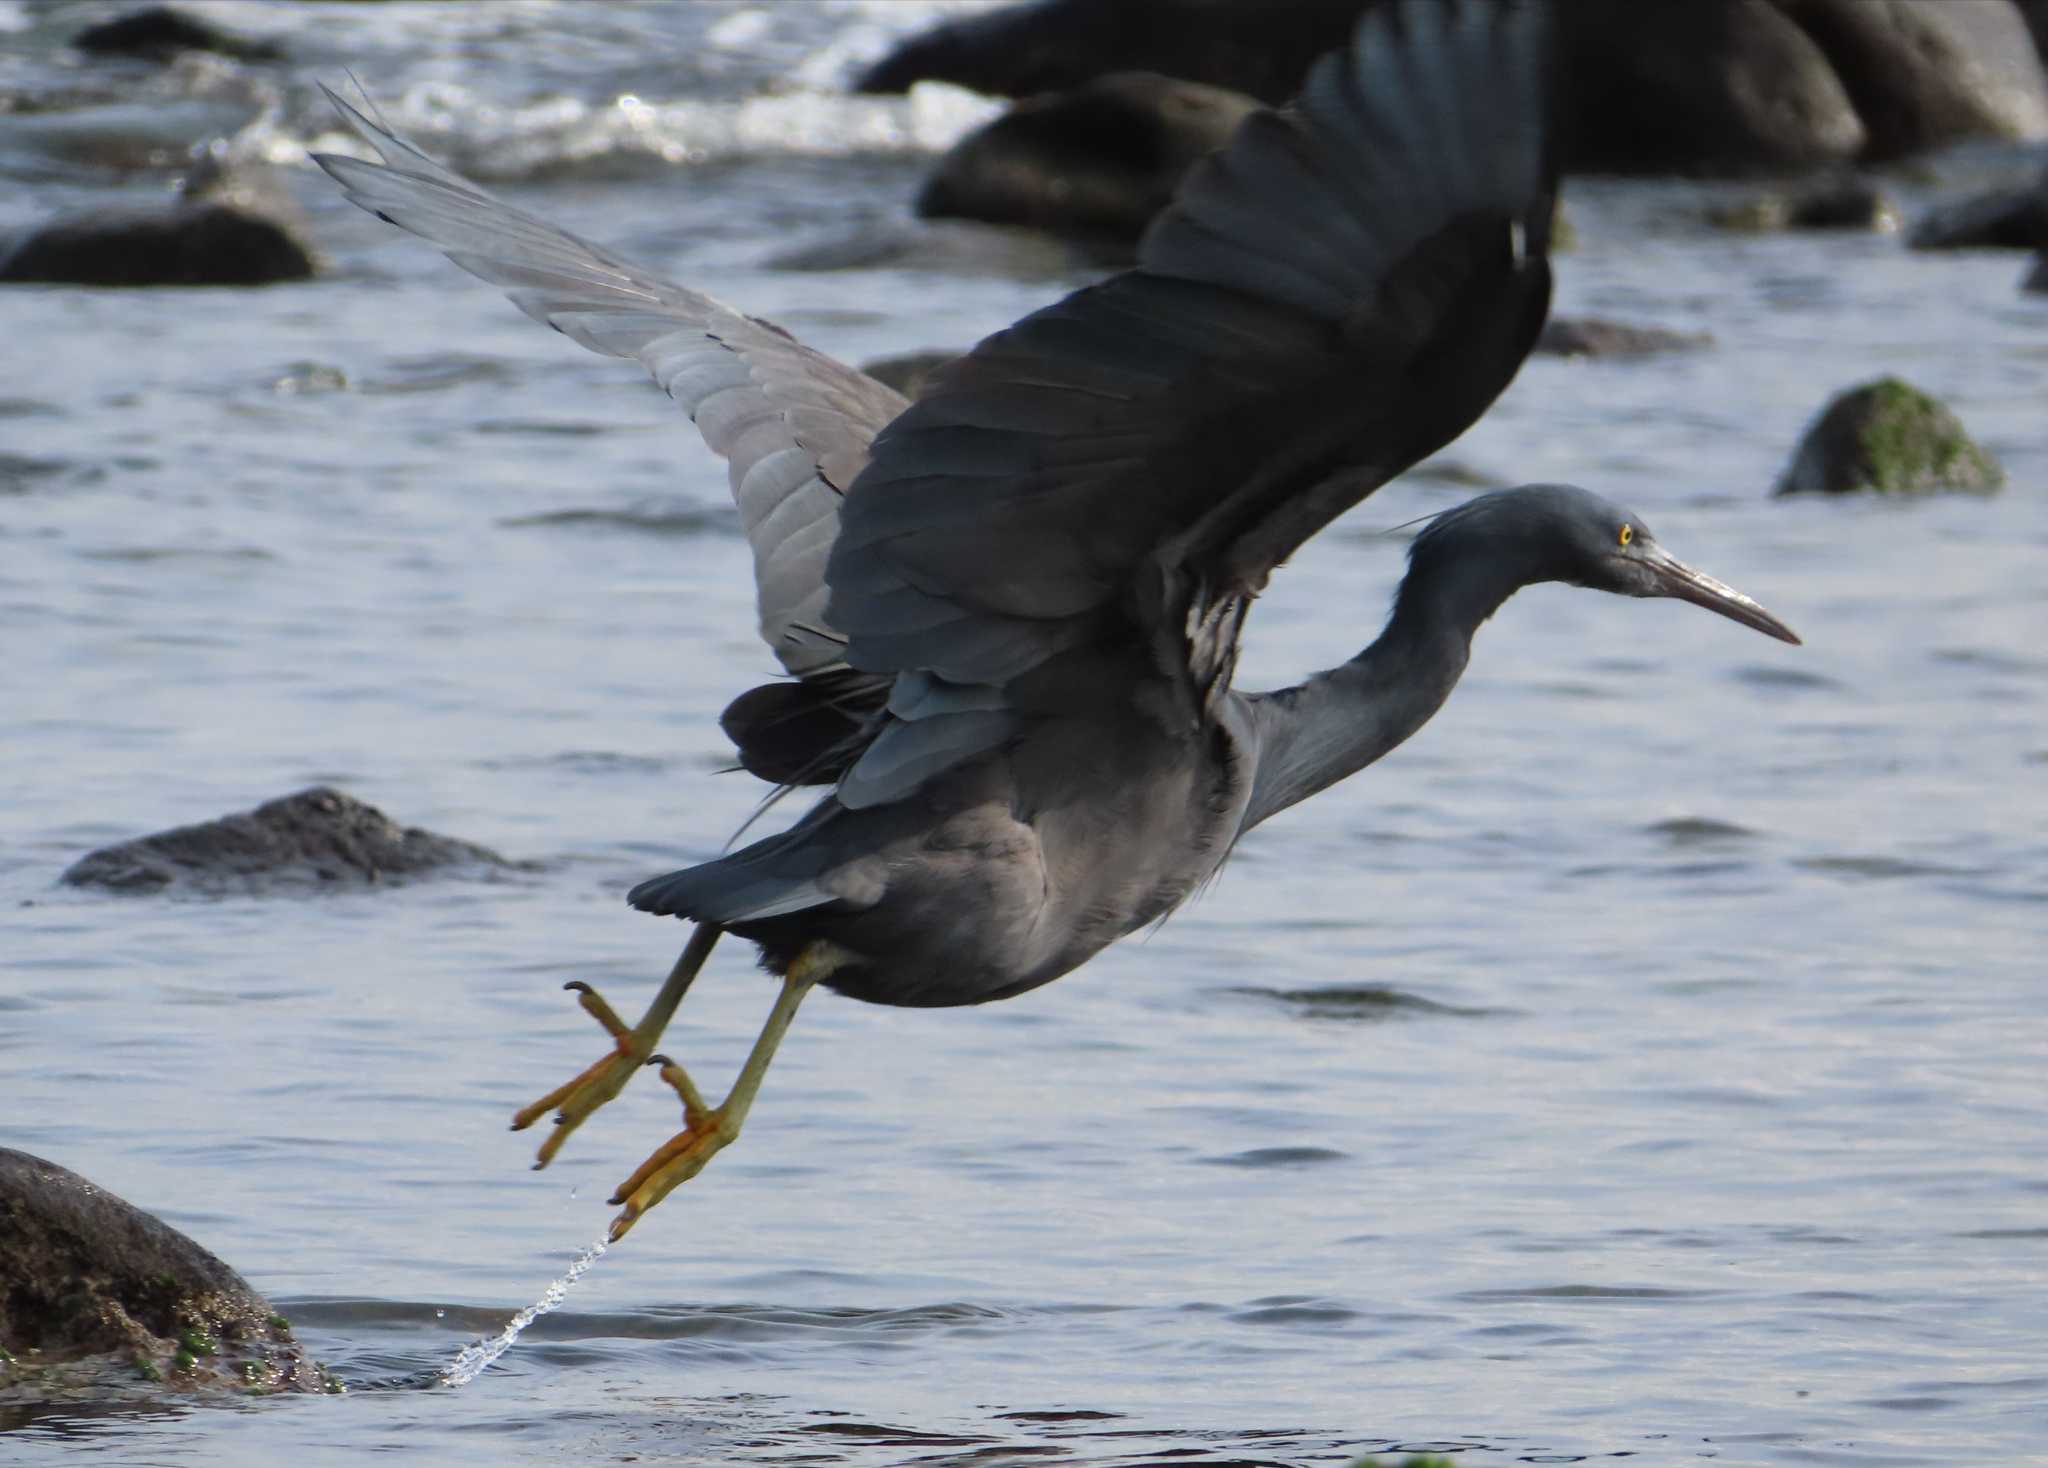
<point x="1011" y="610"/>
<point x="1008" y="873"/>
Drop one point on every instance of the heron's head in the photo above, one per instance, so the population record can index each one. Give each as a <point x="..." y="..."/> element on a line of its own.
<point x="1559" y="532"/>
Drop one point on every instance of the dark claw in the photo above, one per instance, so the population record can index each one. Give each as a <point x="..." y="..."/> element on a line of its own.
<point x="615" y="1200"/>
<point x="578" y="986"/>
<point x="659" y="1060"/>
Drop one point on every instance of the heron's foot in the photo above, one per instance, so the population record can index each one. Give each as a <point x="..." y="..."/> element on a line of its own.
<point x="574" y="1102"/>
<point x="707" y="1131"/>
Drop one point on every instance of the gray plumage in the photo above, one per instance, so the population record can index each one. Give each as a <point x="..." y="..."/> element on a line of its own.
<point x="1013" y="608"/>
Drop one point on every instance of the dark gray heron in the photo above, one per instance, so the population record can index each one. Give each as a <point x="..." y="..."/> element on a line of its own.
<point x="1011" y="610"/>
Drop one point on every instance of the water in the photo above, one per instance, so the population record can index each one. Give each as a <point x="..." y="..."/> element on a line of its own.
<point x="473" y="1360"/>
<point x="1646" y="1060"/>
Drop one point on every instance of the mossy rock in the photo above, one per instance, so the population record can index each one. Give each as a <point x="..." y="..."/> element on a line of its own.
<point x="1844" y="204"/>
<point x="102" y="1302"/>
<point x="1889" y="437"/>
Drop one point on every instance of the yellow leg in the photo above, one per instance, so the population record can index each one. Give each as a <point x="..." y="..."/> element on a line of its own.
<point x="708" y="1130"/>
<point x="573" y="1103"/>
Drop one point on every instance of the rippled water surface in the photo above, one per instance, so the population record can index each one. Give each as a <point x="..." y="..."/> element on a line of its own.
<point x="1647" y="1060"/>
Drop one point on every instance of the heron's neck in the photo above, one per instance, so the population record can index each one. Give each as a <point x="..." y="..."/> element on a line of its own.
<point x="1340" y="721"/>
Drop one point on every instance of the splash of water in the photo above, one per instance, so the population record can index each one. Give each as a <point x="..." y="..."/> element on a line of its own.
<point x="471" y="1360"/>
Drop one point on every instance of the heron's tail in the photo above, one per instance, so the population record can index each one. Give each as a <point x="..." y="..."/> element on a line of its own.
<point x="749" y="886"/>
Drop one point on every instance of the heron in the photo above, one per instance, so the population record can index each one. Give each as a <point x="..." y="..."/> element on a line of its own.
<point x="1009" y="613"/>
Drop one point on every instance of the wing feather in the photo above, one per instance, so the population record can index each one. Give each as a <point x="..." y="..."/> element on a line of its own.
<point x="793" y="425"/>
<point x="1334" y="295"/>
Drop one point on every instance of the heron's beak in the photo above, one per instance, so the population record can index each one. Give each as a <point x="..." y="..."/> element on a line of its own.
<point x="1670" y="576"/>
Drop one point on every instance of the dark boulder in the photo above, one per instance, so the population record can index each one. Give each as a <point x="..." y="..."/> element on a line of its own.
<point x="2036" y="13"/>
<point x="2037" y="278"/>
<point x="229" y="225"/>
<point x="1593" y="336"/>
<point x="99" y="1298"/>
<point x="1094" y="165"/>
<point x="1099" y="160"/>
<point x="1726" y="86"/>
<point x="316" y="838"/>
<point x="1260" y="47"/>
<point x="1708" y="86"/>
<point x="1891" y="438"/>
<point x="1845" y="203"/>
<point x="1926" y="73"/>
<point x="185" y="244"/>
<point x="157" y="33"/>
<point x="2004" y="219"/>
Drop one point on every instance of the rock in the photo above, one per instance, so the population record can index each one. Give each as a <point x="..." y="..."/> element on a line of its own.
<point x="1094" y="165"/>
<point x="99" y="1298"/>
<point x="158" y="33"/>
<point x="1099" y="160"/>
<point x="1924" y="74"/>
<point x="2005" y="219"/>
<point x="186" y="244"/>
<point x="1709" y="86"/>
<point x="230" y="225"/>
<point x="316" y="838"/>
<point x="1726" y="86"/>
<point x="2037" y="278"/>
<point x="1259" y="47"/>
<point x="1889" y="437"/>
<point x="2036" y="13"/>
<point x="907" y="372"/>
<point x="1591" y="336"/>
<point x="1849" y="203"/>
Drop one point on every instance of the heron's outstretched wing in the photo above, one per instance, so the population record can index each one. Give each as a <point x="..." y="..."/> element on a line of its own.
<point x="793" y="425"/>
<point x="1337" y="293"/>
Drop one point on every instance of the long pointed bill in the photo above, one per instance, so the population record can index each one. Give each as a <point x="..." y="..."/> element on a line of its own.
<point x="1670" y="576"/>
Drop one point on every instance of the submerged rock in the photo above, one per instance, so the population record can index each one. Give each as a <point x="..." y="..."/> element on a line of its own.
<point x="1260" y="47"/>
<point x="203" y="244"/>
<point x="1102" y="159"/>
<point x="1849" y="203"/>
<point x="99" y="1299"/>
<point x="316" y="838"/>
<point x="2037" y="278"/>
<point x="1889" y="437"/>
<point x="1594" y="336"/>
<point x="2005" y="219"/>
<point x="157" y="33"/>
<point x="230" y="225"/>
<point x="1702" y="86"/>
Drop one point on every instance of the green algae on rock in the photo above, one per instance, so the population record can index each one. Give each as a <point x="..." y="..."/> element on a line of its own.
<point x="1889" y="437"/>
<point x="100" y="1301"/>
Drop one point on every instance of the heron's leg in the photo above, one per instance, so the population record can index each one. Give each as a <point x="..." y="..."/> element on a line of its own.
<point x="708" y="1130"/>
<point x="574" y="1102"/>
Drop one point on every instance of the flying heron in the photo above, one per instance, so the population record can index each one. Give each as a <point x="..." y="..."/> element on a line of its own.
<point x="1011" y="610"/>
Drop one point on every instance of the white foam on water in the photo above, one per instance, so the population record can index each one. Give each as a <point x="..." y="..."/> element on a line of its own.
<point x="512" y="143"/>
<point x="472" y="1360"/>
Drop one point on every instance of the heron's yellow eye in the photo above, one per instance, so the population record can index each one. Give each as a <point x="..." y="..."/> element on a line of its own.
<point x="1628" y="533"/>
